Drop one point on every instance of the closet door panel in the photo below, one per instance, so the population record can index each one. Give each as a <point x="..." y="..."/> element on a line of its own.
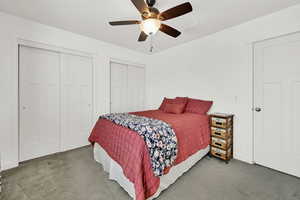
<point x="77" y="99"/>
<point x="39" y="102"/>
<point x="118" y="90"/>
<point x="136" y="88"/>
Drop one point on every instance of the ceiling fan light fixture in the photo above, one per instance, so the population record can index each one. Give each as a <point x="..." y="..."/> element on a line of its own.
<point x="152" y="18"/>
<point x="150" y="26"/>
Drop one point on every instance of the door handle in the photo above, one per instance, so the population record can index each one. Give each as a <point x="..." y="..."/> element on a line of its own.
<point x="257" y="109"/>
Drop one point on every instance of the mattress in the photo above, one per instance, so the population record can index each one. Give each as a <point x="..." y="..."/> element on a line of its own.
<point x="116" y="173"/>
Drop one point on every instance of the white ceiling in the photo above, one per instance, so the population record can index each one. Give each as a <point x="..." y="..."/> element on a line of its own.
<point x="91" y="17"/>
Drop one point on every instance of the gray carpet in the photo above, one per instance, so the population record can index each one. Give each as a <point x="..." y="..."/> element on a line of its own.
<point x="74" y="175"/>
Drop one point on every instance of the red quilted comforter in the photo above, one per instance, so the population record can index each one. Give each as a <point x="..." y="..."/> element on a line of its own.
<point x="128" y="149"/>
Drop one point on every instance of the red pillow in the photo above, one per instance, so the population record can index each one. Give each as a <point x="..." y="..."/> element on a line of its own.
<point x="198" y="106"/>
<point x="165" y="101"/>
<point x="175" y="108"/>
<point x="182" y="100"/>
<point x="177" y="100"/>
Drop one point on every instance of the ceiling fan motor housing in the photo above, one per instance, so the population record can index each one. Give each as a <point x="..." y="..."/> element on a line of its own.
<point x="153" y="13"/>
<point x="151" y="3"/>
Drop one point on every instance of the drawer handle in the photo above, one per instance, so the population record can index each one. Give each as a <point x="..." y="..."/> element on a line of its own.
<point x="217" y="133"/>
<point x="218" y="154"/>
<point x="219" y="123"/>
<point x="218" y="144"/>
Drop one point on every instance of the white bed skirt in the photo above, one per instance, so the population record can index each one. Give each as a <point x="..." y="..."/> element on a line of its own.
<point x="116" y="173"/>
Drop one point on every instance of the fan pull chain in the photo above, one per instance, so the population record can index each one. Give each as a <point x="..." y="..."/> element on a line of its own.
<point x="151" y="43"/>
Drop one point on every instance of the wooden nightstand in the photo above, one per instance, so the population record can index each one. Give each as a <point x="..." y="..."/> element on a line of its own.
<point x="221" y="125"/>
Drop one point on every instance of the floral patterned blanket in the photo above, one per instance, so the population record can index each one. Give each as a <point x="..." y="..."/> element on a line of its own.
<point x="158" y="135"/>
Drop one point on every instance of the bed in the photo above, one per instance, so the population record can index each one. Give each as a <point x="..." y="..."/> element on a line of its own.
<point x="124" y="155"/>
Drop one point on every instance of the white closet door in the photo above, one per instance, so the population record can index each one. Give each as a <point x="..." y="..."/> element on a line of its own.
<point x="136" y="88"/>
<point x="118" y="88"/>
<point x="277" y="93"/>
<point x="77" y="99"/>
<point x="39" y="72"/>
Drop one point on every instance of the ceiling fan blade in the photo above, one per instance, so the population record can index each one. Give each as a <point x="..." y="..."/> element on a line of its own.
<point x="143" y="36"/>
<point x="141" y="6"/>
<point x="176" y="11"/>
<point x="129" y="22"/>
<point x="169" y="30"/>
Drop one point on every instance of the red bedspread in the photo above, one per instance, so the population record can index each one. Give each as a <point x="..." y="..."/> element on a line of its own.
<point x="128" y="149"/>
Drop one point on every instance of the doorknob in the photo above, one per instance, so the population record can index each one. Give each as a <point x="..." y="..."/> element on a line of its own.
<point x="257" y="109"/>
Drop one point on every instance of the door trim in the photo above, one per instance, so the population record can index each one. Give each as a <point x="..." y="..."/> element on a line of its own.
<point x="126" y="62"/>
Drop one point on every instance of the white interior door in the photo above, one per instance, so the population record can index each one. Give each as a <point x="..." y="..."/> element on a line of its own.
<point x="118" y="88"/>
<point x="77" y="100"/>
<point x="136" y="88"/>
<point x="277" y="93"/>
<point x="39" y="72"/>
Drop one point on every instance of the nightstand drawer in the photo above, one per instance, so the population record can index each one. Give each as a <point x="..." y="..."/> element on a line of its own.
<point x="225" y="155"/>
<point x="221" y="143"/>
<point x="221" y="122"/>
<point x="222" y="133"/>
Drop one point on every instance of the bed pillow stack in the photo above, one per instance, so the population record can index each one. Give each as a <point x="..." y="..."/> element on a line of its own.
<point x="185" y="104"/>
<point x="175" y="106"/>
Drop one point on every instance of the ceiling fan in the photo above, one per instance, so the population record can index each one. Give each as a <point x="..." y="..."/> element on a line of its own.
<point x="152" y="18"/>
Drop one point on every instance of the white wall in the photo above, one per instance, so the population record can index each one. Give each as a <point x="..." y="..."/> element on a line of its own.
<point x="219" y="67"/>
<point x="13" y="28"/>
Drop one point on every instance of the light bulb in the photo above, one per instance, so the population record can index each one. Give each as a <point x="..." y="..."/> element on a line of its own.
<point x="150" y="26"/>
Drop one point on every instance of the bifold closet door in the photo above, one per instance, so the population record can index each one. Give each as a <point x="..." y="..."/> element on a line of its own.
<point x="118" y="88"/>
<point x="39" y="96"/>
<point x="136" y="88"/>
<point x="127" y="88"/>
<point x="76" y="100"/>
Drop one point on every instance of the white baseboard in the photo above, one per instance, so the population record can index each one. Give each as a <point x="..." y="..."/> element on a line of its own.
<point x="9" y="165"/>
<point x="241" y="158"/>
